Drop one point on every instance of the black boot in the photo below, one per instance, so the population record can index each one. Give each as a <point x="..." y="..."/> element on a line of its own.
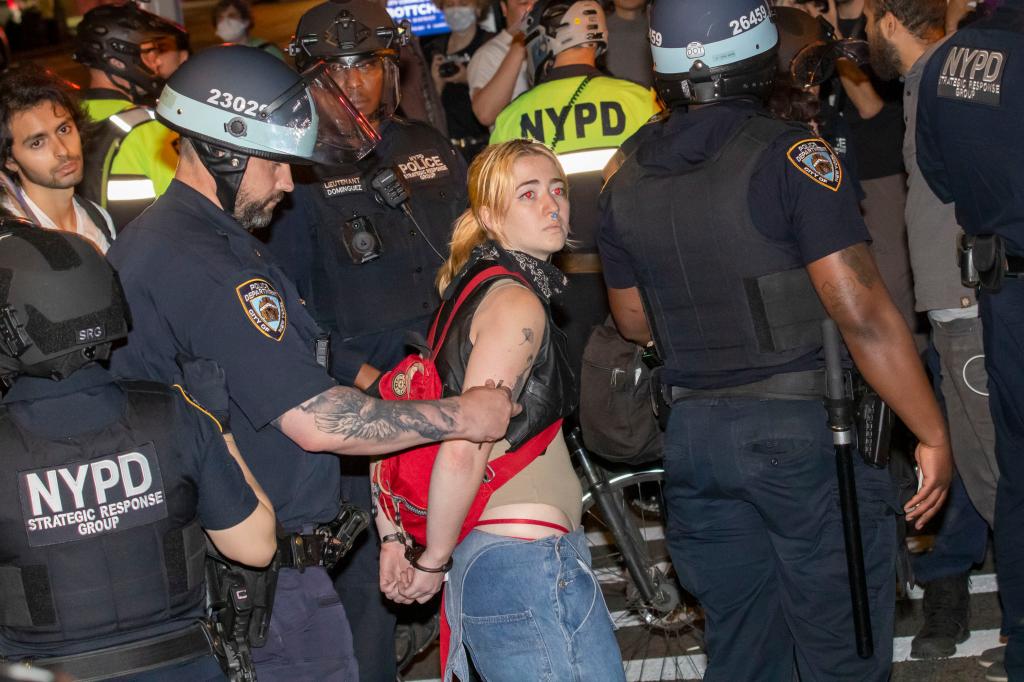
<point x="945" y="618"/>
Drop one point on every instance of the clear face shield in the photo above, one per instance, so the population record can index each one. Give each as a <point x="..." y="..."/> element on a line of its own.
<point x="370" y="82"/>
<point x="317" y="121"/>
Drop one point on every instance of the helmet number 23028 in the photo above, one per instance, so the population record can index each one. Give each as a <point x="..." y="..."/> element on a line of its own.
<point x="748" y="21"/>
<point x="225" y="100"/>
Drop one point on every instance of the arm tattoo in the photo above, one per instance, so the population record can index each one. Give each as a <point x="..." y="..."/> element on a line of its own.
<point x="840" y="293"/>
<point x="858" y="259"/>
<point x="352" y="414"/>
<point x="527" y="335"/>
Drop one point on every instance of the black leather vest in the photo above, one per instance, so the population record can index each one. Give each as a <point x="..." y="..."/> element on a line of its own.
<point x="98" y="533"/>
<point x="721" y="297"/>
<point x="550" y="392"/>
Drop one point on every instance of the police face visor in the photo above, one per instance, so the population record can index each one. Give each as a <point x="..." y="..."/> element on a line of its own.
<point x="343" y="135"/>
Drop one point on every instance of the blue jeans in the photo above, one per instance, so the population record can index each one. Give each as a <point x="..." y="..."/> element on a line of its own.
<point x="309" y="638"/>
<point x="755" y="534"/>
<point x="529" y="611"/>
<point x="1002" y="317"/>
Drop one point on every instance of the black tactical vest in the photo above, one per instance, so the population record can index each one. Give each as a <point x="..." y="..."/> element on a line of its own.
<point x="720" y="296"/>
<point x="98" y="533"/>
<point x="396" y="288"/>
<point x="550" y="392"/>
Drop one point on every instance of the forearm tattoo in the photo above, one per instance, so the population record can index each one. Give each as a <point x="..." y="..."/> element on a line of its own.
<point x="354" y="415"/>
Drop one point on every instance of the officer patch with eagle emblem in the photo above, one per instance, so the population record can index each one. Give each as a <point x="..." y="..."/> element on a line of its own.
<point x="815" y="159"/>
<point x="264" y="307"/>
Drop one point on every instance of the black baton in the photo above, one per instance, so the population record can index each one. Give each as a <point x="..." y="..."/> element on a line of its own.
<point x="839" y="403"/>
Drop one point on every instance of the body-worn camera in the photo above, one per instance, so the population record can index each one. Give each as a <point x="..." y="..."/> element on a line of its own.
<point x="361" y="240"/>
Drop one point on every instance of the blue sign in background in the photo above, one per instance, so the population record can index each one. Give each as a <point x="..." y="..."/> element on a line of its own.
<point x="425" y="17"/>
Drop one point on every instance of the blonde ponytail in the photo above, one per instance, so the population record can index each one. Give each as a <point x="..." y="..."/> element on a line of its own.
<point x="491" y="185"/>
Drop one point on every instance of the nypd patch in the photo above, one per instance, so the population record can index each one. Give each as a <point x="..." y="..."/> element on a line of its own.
<point x="423" y="167"/>
<point x="817" y="161"/>
<point x="264" y="307"/>
<point x="973" y="75"/>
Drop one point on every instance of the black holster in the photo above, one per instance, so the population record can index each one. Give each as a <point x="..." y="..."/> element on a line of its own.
<point x="239" y="604"/>
<point x="982" y="261"/>
<point x="874" y="421"/>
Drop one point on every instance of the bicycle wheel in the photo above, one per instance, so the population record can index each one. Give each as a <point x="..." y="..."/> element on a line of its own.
<point x="660" y="639"/>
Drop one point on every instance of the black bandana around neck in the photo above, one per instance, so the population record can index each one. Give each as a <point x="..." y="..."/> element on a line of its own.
<point x="547" y="280"/>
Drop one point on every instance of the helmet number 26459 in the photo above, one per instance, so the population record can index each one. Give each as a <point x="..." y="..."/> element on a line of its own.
<point x="225" y="100"/>
<point x="748" y="21"/>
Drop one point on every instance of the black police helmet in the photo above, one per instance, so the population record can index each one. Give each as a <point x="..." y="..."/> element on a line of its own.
<point x="60" y="302"/>
<point x="346" y="28"/>
<point x="110" y="37"/>
<point x="710" y="50"/>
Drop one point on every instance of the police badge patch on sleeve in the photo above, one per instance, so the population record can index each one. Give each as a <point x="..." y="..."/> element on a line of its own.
<point x="816" y="160"/>
<point x="264" y="307"/>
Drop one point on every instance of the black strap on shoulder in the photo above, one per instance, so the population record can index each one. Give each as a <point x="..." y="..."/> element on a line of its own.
<point x="96" y="216"/>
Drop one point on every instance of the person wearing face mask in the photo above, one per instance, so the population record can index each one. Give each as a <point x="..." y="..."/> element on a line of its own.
<point x="232" y="22"/>
<point x="449" y="57"/>
<point x="362" y="257"/>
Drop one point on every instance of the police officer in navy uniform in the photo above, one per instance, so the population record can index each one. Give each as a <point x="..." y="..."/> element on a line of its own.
<point x="723" y="233"/>
<point x="364" y="265"/>
<point x="199" y="283"/>
<point x="969" y="148"/>
<point x="105" y="484"/>
<point x="364" y="262"/>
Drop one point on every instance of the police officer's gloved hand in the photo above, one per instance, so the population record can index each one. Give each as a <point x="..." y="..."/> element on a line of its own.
<point x="205" y="381"/>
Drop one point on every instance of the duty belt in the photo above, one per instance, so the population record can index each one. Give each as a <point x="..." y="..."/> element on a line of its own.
<point x="808" y="385"/>
<point x="578" y="263"/>
<point x="132" y="659"/>
<point x="300" y="550"/>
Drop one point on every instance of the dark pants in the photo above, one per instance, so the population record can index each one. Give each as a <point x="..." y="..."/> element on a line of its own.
<point x="1002" y="317"/>
<point x="357" y="581"/>
<point x="309" y="638"/>
<point x="960" y="542"/>
<point x="754" y="531"/>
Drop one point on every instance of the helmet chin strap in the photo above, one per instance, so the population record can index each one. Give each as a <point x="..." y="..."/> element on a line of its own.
<point x="227" y="168"/>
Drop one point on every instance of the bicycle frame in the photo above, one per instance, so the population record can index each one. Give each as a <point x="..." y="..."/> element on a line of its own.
<point x="648" y="586"/>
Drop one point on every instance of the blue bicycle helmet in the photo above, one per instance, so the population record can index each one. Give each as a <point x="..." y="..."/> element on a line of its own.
<point x="710" y="50"/>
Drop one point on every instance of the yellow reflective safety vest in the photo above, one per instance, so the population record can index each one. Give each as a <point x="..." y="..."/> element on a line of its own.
<point x="572" y="113"/>
<point x="131" y="157"/>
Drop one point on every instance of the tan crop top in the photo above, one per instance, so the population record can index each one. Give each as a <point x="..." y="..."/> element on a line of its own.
<point x="549" y="479"/>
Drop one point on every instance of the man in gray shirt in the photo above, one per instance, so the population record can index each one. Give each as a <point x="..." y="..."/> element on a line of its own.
<point x="902" y="35"/>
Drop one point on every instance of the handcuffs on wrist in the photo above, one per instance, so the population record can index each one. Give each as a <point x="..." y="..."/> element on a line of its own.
<point x="413" y="552"/>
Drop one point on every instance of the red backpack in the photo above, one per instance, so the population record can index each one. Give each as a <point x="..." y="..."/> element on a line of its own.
<point x="402" y="481"/>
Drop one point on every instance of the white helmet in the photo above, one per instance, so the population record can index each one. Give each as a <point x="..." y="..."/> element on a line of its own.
<point x="553" y="26"/>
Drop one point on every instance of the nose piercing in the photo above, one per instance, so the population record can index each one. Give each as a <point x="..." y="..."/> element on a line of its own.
<point x="554" y="215"/>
